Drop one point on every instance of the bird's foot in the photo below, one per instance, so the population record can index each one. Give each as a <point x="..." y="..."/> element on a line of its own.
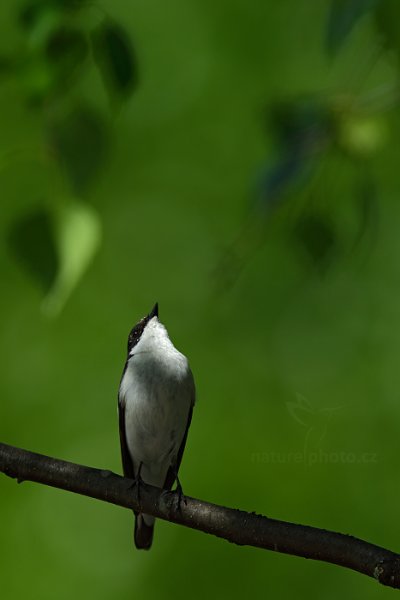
<point x="136" y="483"/>
<point x="180" y="494"/>
<point x="176" y="496"/>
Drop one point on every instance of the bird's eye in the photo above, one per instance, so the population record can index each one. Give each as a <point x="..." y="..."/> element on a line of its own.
<point x="136" y="333"/>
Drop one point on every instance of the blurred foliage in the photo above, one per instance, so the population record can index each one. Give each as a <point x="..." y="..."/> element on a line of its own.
<point x="114" y="55"/>
<point x="50" y="64"/>
<point x="238" y="163"/>
<point x="344" y="16"/>
<point x="32" y="242"/>
<point x="311" y="132"/>
<point x="80" y="141"/>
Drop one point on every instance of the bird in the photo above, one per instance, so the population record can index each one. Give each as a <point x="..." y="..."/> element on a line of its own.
<point x="155" y="404"/>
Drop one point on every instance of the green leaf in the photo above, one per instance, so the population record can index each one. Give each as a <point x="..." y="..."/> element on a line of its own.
<point x="294" y="121"/>
<point x="81" y="141"/>
<point x="66" y="50"/>
<point x="55" y="247"/>
<point x="31" y="242"/>
<point x="387" y="19"/>
<point x="316" y="234"/>
<point x="77" y="232"/>
<point x="360" y="135"/>
<point x="303" y="131"/>
<point x="36" y="80"/>
<point x="114" y="55"/>
<point x="58" y="54"/>
<point x="343" y="17"/>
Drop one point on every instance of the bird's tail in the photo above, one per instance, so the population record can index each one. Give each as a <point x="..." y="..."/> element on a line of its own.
<point x="144" y="527"/>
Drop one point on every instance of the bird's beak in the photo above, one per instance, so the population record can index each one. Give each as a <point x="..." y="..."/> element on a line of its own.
<point x="154" y="311"/>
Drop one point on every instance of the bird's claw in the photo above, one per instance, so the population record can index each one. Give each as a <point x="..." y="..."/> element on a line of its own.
<point x="180" y="494"/>
<point x="136" y="483"/>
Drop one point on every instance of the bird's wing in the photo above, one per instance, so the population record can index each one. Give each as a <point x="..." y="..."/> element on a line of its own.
<point x="127" y="462"/>
<point x="173" y="469"/>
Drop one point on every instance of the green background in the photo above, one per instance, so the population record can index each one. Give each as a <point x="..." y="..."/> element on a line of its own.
<point x="296" y="366"/>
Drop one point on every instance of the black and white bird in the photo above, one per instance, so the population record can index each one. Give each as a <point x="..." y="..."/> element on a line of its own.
<point x="155" y="401"/>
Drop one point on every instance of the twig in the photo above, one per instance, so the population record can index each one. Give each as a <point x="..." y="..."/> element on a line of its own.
<point x="233" y="525"/>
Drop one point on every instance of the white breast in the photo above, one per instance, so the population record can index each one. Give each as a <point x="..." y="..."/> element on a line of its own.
<point x="158" y="391"/>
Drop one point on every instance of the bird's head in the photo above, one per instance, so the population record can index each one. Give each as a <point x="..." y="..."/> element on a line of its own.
<point x="138" y="329"/>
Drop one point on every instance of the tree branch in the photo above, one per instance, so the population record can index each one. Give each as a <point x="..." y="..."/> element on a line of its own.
<point x="233" y="525"/>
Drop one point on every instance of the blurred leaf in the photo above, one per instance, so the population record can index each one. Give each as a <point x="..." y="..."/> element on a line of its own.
<point x="56" y="248"/>
<point x="31" y="242"/>
<point x="36" y="80"/>
<point x="343" y="17"/>
<point x="81" y="141"/>
<point x="51" y="70"/>
<point x="33" y="10"/>
<point x="300" y="120"/>
<point x="303" y="131"/>
<point x="66" y="42"/>
<point x="387" y="18"/>
<point x="54" y="52"/>
<point x="114" y="55"/>
<point x="278" y="179"/>
<point x="66" y="50"/>
<point x="316" y="234"/>
<point x="77" y="231"/>
<point x="360" y="135"/>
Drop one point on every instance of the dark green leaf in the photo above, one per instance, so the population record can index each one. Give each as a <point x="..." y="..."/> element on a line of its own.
<point x="66" y="45"/>
<point x="36" y="79"/>
<point x="81" y="141"/>
<point x="316" y="234"/>
<point x="303" y="130"/>
<point x="114" y="55"/>
<point x="56" y="248"/>
<point x="387" y="18"/>
<point x="343" y="17"/>
<point x="66" y="50"/>
<point x="299" y="119"/>
<point x="54" y="68"/>
<point x="290" y="169"/>
<point x="32" y="244"/>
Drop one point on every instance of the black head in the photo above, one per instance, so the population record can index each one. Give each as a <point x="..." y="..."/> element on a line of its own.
<point x="137" y="331"/>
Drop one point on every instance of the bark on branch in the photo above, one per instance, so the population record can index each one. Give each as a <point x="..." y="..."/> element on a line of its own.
<point x="233" y="525"/>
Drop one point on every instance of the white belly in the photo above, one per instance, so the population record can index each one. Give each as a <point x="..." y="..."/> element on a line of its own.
<point x="157" y="404"/>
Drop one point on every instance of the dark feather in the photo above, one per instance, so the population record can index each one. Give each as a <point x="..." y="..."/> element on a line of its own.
<point x="136" y="333"/>
<point x="143" y="534"/>
<point x="127" y="463"/>
<point x="173" y="470"/>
